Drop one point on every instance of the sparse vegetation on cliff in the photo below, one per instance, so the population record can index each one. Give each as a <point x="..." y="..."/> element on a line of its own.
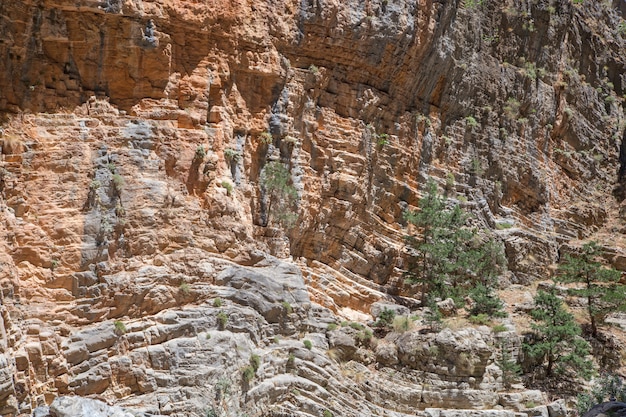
<point x="281" y="195"/>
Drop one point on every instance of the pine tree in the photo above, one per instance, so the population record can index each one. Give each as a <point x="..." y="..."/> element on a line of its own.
<point x="557" y="340"/>
<point x="449" y="258"/>
<point x="599" y="284"/>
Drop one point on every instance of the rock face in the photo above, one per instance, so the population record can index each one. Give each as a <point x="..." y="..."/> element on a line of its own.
<point x="140" y="259"/>
<point x="613" y="408"/>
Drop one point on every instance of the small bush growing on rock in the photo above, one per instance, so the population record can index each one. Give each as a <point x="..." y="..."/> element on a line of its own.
<point x="499" y="328"/>
<point x="287" y="307"/>
<point x="356" y="326"/>
<point x="228" y="186"/>
<point x="471" y="121"/>
<point x="255" y="362"/>
<point x="200" y="153"/>
<point x="307" y="344"/>
<point x="385" y="318"/>
<point x="331" y="327"/>
<point x="291" y="360"/>
<point x="118" y="183"/>
<point x="382" y="139"/>
<point x="232" y="155"/>
<point x="266" y="138"/>
<point x="222" y="319"/>
<point x="247" y="373"/>
<point x="479" y="319"/>
<point x="217" y="302"/>
<point x="94" y="185"/>
<point x="327" y="413"/>
<point x="184" y="288"/>
<point x="213" y="412"/>
<point x="222" y="387"/>
<point x="120" y="327"/>
<point x="364" y="336"/>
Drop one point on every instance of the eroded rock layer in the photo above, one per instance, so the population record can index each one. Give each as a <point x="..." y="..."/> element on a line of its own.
<point x="133" y="138"/>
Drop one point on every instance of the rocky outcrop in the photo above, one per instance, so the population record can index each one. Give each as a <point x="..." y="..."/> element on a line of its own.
<point x="139" y="262"/>
<point x="614" y="408"/>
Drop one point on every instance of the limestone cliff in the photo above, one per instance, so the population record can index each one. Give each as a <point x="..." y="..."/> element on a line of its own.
<point x="133" y="138"/>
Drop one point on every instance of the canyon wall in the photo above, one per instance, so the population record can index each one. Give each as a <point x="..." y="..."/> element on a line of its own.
<point x="134" y="134"/>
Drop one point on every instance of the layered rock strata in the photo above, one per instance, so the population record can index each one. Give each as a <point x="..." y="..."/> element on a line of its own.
<point x="133" y="138"/>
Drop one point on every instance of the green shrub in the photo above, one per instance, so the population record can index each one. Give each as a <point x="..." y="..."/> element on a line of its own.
<point x="217" y="302"/>
<point x="120" y="327"/>
<point x="314" y="69"/>
<point x="383" y="139"/>
<point x="364" y="336"/>
<point x="200" y="152"/>
<point x="471" y="121"/>
<point x="232" y="155"/>
<point x="266" y="138"/>
<point x="327" y="413"/>
<point x="331" y="327"/>
<point x="307" y="344"/>
<point x="184" y="288"/>
<point x="287" y="307"/>
<point x="118" y="183"/>
<point x="291" y="360"/>
<point x="247" y="373"/>
<point x="385" y="318"/>
<point x="255" y="362"/>
<point x="356" y="326"/>
<point x="228" y="186"/>
<point x="94" y="185"/>
<point x="499" y="328"/>
<point x="479" y="319"/>
<point x="222" y="319"/>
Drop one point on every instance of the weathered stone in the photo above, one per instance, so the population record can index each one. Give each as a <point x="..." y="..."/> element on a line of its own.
<point x="379" y="306"/>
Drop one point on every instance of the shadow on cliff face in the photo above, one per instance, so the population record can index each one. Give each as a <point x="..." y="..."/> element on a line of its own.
<point x="620" y="190"/>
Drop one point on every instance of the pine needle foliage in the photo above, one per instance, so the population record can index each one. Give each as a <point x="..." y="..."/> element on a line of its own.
<point x="450" y="258"/>
<point x="556" y="339"/>
<point x="598" y="284"/>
